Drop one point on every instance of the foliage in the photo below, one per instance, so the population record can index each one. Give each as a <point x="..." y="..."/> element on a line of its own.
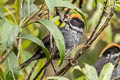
<point x="91" y="73"/>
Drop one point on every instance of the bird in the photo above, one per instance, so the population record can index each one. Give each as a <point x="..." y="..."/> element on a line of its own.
<point x="110" y="54"/>
<point x="72" y="32"/>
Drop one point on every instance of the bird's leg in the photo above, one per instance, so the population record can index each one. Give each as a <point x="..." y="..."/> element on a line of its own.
<point x="53" y="67"/>
<point x="71" y="61"/>
<point x="68" y="59"/>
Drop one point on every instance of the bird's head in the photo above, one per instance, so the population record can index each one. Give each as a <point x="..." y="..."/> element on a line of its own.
<point x="75" y="22"/>
<point x="110" y="54"/>
<point x="112" y="50"/>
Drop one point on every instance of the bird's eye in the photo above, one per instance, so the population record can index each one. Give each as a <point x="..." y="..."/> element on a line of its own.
<point x="74" y="22"/>
<point x="116" y="50"/>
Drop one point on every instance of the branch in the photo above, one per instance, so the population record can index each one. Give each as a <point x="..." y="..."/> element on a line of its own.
<point x="32" y="70"/>
<point x="43" y="74"/>
<point x="68" y="66"/>
<point x="96" y="27"/>
<point x="46" y="64"/>
<point x="117" y="62"/>
<point x="6" y="54"/>
<point x="20" y="20"/>
<point x="29" y="18"/>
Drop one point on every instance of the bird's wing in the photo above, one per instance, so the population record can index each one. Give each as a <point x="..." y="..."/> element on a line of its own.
<point x="100" y="63"/>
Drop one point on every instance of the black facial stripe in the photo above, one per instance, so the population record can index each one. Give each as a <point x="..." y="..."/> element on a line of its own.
<point x="112" y="50"/>
<point x="73" y="28"/>
<point x="77" y="22"/>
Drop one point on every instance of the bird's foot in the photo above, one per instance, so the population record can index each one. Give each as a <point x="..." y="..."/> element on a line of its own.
<point x="71" y="61"/>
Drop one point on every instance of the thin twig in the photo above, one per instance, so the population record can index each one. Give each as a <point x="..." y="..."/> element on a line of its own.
<point x="43" y="74"/>
<point x="36" y="13"/>
<point x="115" y="66"/>
<point x="19" y="44"/>
<point x="46" y="64"/>
<point x="32" y="70"/>
<point x="117" y="62"/>
<point x="51" y="45"/>
<point x="64" y="70"/>
<point x="20" y="14"/>
<point x="53" y="67"/>
<point x="29" y="23"/>
<point x="96" y="27"/>
<point x="68" y="66"/>
<point x="20" y="20"/>
<point x="6" y="54"/>
<point x="35" y="20"/>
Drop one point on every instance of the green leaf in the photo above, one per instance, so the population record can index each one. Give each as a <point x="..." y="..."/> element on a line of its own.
<point x="2" y="2"/>
<point x="2" y="18"/>
<point x="57" y="78"/>
<point x="29" y="9"/>
<point x="81" y="78"/>
<point x="39" y="66"/>
<point x="90" y="72"/>
<point x="38" y="42"/>
<point x="1" y="23"/>
<point x="57" y="36"/>
<point x="11" y="67"/>
<point x="106" y="72"/>
<point x="17" y="5"/>
<point x="117" y="2"/>
<point x="25" y="55"/>
<point x="1" y="14"/>
<point x="108" y="34"/>
<point x="1" y="74"/>
<point x="60" y="3"/>
<point x="77" y="68"/>
<point x="9" y="33"/>
<point x="117" y="5"/>
<point x="11" y="14"/>
<point x="117" y="38"/>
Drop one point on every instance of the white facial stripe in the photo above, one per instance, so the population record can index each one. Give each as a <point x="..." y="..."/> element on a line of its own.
<point x="77" y="29"/>
<point x="115" y="55"/>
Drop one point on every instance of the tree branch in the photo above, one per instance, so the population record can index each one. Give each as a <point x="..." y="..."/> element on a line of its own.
<point x="6" y="54"/>
<point x="32" y="70"/>
<point x="96" y="27"/>
<point x="43" y="74"/>
<point x="20" y="40"/>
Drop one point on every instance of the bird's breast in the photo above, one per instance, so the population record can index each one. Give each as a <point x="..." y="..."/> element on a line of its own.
<point x="76" y="36"/>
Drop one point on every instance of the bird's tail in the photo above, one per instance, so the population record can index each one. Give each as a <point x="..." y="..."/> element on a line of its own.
<point x="36" y="56"/>
<point x="26" y="63"/>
